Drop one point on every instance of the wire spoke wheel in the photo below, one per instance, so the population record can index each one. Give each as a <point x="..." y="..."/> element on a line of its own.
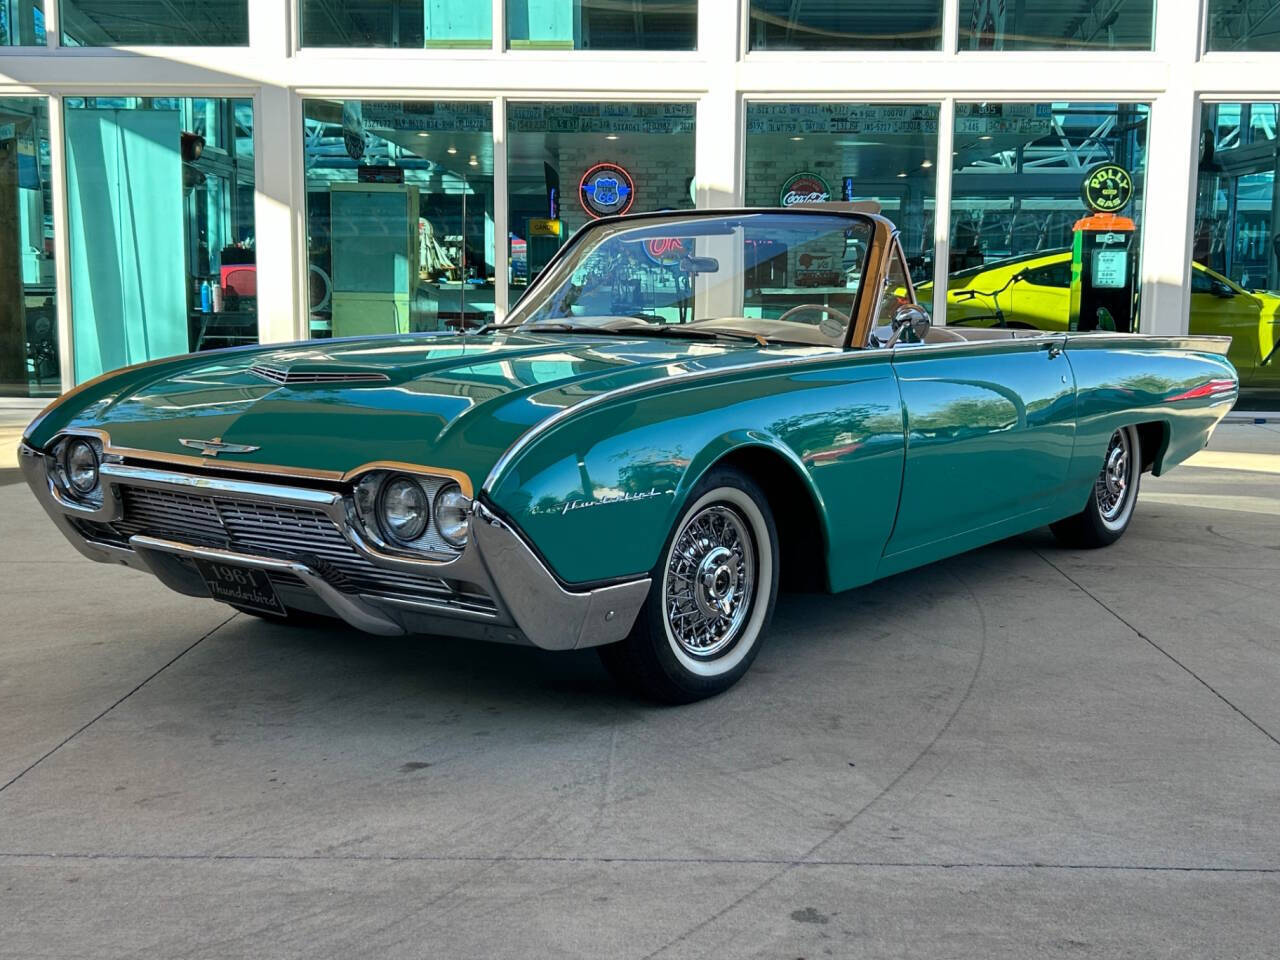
<point x="1112" y="486"/>
<point x="710" y="582"/>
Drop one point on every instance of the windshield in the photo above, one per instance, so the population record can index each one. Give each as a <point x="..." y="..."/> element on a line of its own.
<point x="789" y="277"/>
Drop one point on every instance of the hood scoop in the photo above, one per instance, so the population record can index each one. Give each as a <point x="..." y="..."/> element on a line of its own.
<point x="300" y="373"/>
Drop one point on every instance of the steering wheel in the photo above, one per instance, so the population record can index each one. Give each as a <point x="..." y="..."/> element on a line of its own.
<point x="821" y="308"/>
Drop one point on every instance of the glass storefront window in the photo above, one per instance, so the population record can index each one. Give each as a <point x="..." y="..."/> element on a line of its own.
<point x="1016" y="197"/>
<point x="412" y="24"/>
<point x="160" y="212"/>
<point x="1057" y="24"/>
<point x="846" y="25"/>
<point x="399" y="215"/>
<point x="1235" y="273"/>
<point x="29" y="365"/>
<point x="22" y="23"/>
<point x="802" y="152"/>
<point x="571" y="162"/>
<point x="602" y="24"/>
<point x="187" y="23"/>
<point x="1241" y="26"/>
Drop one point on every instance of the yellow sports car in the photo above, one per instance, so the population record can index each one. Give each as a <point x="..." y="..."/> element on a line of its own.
<point x="1036" y="293"/>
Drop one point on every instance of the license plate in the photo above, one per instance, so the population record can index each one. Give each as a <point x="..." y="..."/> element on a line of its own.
<point x="243" y="586"/>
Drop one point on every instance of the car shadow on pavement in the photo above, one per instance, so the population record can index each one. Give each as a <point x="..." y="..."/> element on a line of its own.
<point x="808" y="629"/>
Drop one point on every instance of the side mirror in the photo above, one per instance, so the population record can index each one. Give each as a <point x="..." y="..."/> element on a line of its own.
<point x="1222" y="291"/>
<point x="911" y="323"/>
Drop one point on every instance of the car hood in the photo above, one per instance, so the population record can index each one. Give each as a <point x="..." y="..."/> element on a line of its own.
<point x="438" y="400"/>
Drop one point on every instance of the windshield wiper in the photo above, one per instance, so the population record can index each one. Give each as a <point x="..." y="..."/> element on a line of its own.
<point x="693" y="333"/>
<point x="639" y="329"/>
<point x="553" y="327"/>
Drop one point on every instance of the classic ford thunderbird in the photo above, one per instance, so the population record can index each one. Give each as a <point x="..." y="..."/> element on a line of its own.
<point x="683" y="411"/>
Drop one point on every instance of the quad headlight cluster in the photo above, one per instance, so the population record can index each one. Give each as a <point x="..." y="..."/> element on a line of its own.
<point x="77" y="462"/>
<point x="413" y="511"/>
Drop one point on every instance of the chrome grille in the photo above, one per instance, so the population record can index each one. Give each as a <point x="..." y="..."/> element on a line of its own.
<point x="279" y="530"/>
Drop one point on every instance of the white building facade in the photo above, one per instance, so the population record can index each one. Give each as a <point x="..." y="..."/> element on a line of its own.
<point x="178" y="176"/>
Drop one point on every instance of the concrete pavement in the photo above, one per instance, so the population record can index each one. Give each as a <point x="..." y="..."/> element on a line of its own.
<point x="1021" y="752"/>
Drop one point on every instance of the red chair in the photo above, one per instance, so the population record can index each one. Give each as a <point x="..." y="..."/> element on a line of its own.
<point x="240" y="280"/>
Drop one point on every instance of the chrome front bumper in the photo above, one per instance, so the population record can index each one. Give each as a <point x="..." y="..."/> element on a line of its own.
<point x="529" y="605"/>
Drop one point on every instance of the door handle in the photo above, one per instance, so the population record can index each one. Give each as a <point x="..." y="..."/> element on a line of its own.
<point x="1055" y="349"/>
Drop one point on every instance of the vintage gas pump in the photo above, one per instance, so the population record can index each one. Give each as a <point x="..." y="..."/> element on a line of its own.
<point x="1103" y="267"/>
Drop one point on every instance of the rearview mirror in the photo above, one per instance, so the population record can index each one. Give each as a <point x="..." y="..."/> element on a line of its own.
<point x="699" y="264"/>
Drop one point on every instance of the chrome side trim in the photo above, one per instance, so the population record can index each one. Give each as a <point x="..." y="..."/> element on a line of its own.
<point x="542" y="426"/>
<point x="1210" y="344"/>
<point x="865" y="354"/>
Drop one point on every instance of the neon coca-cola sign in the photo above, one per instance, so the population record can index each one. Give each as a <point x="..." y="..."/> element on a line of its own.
<point x="804" y="188"/>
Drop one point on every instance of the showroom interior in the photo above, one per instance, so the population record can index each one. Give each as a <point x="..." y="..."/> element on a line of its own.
<point x="179" y="176"/>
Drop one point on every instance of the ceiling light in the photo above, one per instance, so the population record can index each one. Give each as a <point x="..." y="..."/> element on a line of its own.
<point x="423" y="133"/>
<point x="452" y="150"/>
<point x="985" y="136"/>
<point x="926" y="163"/>
<point x="473" y="161"/>
<point x="611" y="136"/>
<point x="902" y="174"/>
<point x="797" y="138"/>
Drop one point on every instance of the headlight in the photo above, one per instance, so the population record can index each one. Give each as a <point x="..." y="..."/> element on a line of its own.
<point x="403" y="509"/>
<point x="81" y="464"/>
<point x="76" y="463"/>
<point x="453" y="515"/>
<point x="411" y="513"/>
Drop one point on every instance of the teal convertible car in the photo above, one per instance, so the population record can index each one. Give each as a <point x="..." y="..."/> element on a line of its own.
<point x="683" y="411"/>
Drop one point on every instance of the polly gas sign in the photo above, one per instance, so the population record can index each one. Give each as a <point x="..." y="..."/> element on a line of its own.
<point x="804" y="188"/>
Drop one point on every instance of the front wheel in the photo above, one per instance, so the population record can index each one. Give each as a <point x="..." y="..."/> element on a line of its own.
<point x="711" y="600"/>
<point x="1106" y="516"/>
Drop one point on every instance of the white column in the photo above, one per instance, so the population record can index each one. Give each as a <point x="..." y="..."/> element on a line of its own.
<point x="279" y="210"/>
<point x="501" y="212"/>
<point x="61" y="243"/>
<point x="942" y="210"/>
<point x="950" y="26"/>
<point x="1169" y="194"/>
<point x="718" y="128"/>
<point x="279" y="195"/>
<point x="1168" y="210"/>
<point x="52" y="23"/>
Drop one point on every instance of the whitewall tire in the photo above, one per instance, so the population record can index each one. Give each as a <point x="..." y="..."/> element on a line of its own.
<point x="713" y="594"/>
<point x="1109" y="511"/>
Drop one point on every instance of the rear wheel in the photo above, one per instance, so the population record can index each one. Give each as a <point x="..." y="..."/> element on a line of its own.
<point x="1106" y="516"/>
<point x="711" y="600"/>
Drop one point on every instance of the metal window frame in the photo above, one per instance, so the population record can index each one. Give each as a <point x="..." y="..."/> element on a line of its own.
<point x="720" y="75"/>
